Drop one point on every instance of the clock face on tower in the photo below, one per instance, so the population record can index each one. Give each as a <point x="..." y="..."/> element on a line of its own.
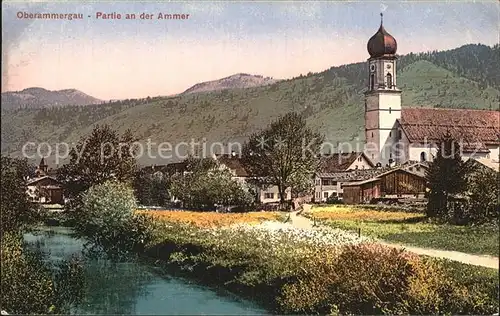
<point x="372" y="67"/>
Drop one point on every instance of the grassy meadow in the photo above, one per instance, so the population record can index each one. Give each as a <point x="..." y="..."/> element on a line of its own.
<point x="300" y="271"/>
<point x="410" y="229"/>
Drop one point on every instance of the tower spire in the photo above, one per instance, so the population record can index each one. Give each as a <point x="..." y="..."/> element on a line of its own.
<point x="381" y="18"/>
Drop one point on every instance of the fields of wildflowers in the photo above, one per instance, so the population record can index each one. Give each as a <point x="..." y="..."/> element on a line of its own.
<point x="345" y="212"/>
<point x="323" y="271"/>
<point x="211" y="219"/>
<point x="409" y="228"/>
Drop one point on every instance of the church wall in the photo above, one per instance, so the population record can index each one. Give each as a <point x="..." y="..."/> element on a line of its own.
<point x="416" y="149"/>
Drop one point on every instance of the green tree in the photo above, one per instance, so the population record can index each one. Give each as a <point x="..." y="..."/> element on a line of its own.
<point x="29" y="285"/>
<point x="107" y="219"/>
<point x="151" y="188"/>
<point x="102" y="156"/>
<point x="446" y="178"/>
<point x="484" y="195"/>
<point x="16" y="210"/>
<point x="205" y="185"/>
<point x="285" y="154"/>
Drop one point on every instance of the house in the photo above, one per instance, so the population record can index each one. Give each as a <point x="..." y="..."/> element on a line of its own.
<point x="263" y="195"/>
<point x="44" y="187"/>
<point x="335" y="169"/>
<point x="396" y="134"/>
<point x="44" y="170"/>
<point x="45" y="190"/>
<point x="396" y="183"/>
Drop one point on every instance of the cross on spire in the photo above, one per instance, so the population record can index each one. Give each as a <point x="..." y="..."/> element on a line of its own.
<point x="381" y="18"/>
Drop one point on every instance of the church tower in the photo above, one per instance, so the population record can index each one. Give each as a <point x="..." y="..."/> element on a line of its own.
<point x="382" y="99"/>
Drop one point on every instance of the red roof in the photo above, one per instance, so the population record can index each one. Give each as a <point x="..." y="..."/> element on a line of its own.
<point x="234" y="163"/>
<point x="474" y="128"/>
<point x="339" y="162"/>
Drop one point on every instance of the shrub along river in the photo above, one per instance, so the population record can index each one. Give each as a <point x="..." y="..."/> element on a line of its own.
<point x="136" y="287"/>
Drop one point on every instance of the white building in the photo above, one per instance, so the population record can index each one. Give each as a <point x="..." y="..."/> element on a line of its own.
<point x="263" y="195"/>
<point x="396" y="135"/>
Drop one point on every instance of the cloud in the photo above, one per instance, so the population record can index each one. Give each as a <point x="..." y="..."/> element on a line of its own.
<point x="213" y="9"/>
<point x="304" y="10"/>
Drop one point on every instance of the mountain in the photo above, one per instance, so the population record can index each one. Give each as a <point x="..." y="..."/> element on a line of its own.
<point x="40" y="98"/>
<point x="332" y="101"/>
<point x="237" y="81"/>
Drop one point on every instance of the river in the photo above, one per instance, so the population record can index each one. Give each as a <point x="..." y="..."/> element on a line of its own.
<point x="137" y="288"/>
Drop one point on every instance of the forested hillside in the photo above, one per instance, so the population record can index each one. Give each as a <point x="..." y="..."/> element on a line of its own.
<point x="466" y="77"/>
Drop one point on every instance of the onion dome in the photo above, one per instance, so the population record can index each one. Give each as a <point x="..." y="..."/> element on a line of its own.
<point x="382" y="43"/>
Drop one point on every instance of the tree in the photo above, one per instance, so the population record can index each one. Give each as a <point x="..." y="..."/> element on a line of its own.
<point x="446" y="178"/>
<point x="102" y="156"/>
<point x="484" y="195"/>
<point x="16" y="210"/>
<point x="107" y="219"/>
<point x="29" y="285"/>
<point x="205" y="185"/>
<point x="285" y="154"/>
<point x="151" y="188"/>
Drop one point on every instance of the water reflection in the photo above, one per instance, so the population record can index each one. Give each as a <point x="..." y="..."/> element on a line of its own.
<point x="134" y="287"/>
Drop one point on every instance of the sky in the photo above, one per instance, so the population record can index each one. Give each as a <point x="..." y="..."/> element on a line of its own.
<point x="119" y="59"/>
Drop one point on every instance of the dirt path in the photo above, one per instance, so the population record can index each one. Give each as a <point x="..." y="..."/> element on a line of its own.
<point x="479" y="260"/>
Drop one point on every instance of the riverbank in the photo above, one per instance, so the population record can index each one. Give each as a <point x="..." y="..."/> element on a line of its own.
<point x="298" y="271"/>
<point x="135" y="285"/>
<point x="290" y="270"/>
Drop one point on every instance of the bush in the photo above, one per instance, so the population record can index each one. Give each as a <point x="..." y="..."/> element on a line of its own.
<point x="484" y="205"/>
<point x="16" y="212"/>
<point x="334" y="200"/>
<point x="30" y="286"/>
<point x="375" y="279"/>
<point x="107" y="220"/>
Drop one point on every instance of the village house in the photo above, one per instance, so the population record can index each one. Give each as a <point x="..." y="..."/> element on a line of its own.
<point x="44" y="187"/>
<point x="263" y="195"/>
<point x="396" y="134"/>
<point x="334" y="170"/>
<point x="396" y="183"/>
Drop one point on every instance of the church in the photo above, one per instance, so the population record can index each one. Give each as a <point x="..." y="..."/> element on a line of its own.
<point x="396" y="134"/>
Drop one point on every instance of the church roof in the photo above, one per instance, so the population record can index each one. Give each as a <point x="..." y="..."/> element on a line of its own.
<point x="381" y="43"/>
<point x="473" y="128"/>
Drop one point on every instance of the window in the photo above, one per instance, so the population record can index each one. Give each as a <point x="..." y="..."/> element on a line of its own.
<point x="268" y="195"/>
<point x="318" y="181"/>
<point x="390" y="134"/>
<point x="389" y="80"/>
<point x="359" y="158"/>
<point x="329" y="182"/>
<point x="372" y="82"/>
<point x="400" y="134"/>
<point x="318" y="195"/>
<point x="325" y="195"/>
<point x="423" y="156"/>
<point x="372" y="134"/>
